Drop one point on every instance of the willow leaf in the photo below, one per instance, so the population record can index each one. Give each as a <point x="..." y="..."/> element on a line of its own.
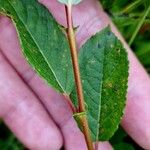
<point x="44" y="45"/>
<point x="104" y="73"/>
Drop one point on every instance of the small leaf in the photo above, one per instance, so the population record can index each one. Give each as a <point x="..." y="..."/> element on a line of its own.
<point x="73" y="2"/>
<point x="44" y="45"/>
<point x="104" y="73"/>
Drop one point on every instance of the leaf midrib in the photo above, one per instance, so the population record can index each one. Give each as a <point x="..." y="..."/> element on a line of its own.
<point x="101" y="87"/>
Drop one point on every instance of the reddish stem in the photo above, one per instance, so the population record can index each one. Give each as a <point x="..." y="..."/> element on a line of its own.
<point x="78" y="83"/>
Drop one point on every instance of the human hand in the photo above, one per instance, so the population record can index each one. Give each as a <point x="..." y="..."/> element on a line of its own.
<point x="40" y="117"/>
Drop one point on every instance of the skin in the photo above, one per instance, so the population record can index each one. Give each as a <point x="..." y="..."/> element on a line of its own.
<point x="41" y="118"/>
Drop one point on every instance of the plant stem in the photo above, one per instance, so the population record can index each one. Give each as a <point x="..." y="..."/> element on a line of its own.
<point x="131" y="6"/>
<point x="139" y="25"/>
<point x="74" y="56"/>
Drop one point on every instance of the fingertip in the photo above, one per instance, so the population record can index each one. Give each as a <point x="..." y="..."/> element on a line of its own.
<point x="104" y="146"/>
<point x="136" y="120"/>
<point x="34" y="132"/>
<point x="48" y="140"/>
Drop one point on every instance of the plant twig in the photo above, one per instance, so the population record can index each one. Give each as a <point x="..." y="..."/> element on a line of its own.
<point x="139" y="25"/>
<point x="74" y="56"/>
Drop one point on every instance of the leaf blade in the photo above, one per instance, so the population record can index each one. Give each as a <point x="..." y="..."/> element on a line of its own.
<point x="38" y="32"/>
<point x="99" y="58"/>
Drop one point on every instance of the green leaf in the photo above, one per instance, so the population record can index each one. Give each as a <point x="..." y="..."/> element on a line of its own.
<point x="104" y="73"/>
<point x="73" y="2"/>
<point x="44" y="45"/>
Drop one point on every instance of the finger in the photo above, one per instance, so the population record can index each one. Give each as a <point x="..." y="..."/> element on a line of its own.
<point x="24" y="114"/>
<point x="136" y="120"/>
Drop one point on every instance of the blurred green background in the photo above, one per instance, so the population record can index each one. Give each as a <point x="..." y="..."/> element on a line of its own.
<point x="132" y="17"/>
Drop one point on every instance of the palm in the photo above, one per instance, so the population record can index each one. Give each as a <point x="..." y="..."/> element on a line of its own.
<point x="40" y="117"/>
